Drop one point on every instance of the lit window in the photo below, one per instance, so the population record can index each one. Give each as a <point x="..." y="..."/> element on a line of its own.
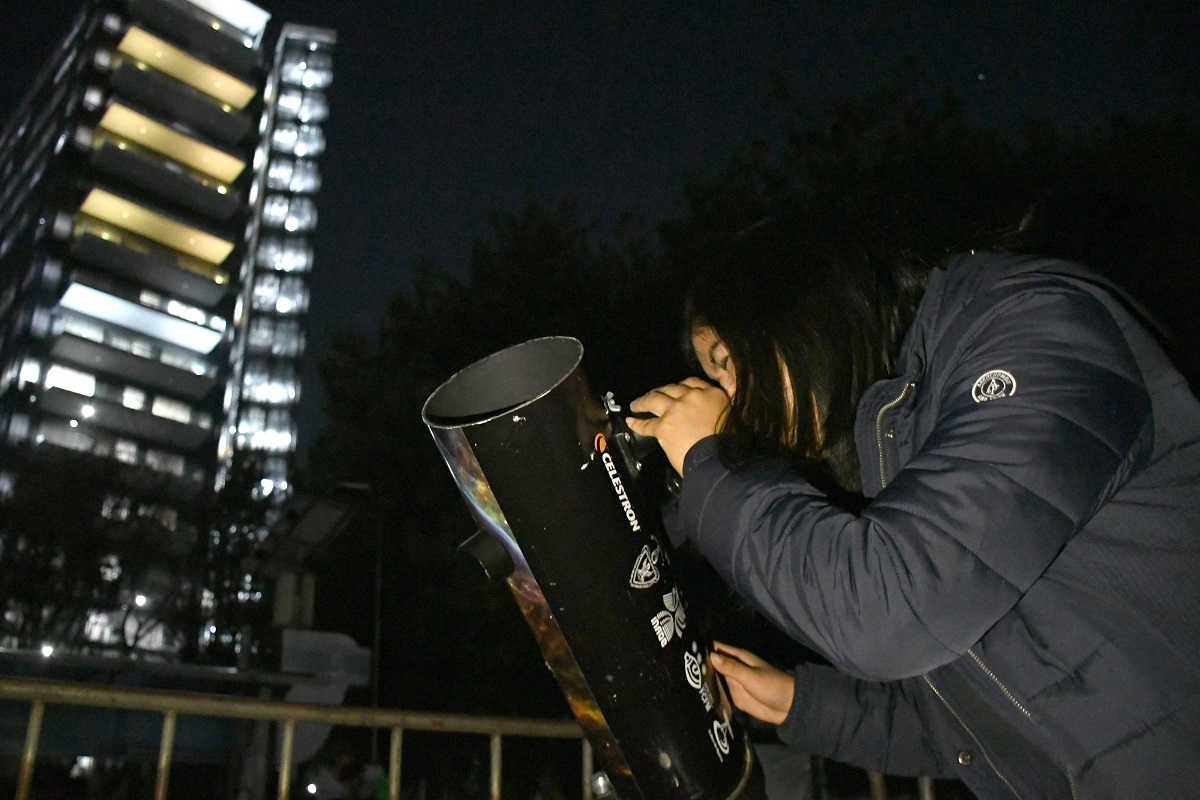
<point x="289" y="339"/>
<point x="275" y="210"/>
<point x="126" y="451"/>
<point x="285" y="254"/>
<point x="293" y="175"/>
<point x="133" y="398"/>
<point x="312" y="70"/>
<point x="71" y="379"/>
<point x="31" y="371"/>
<point x="70" y="438"/>
<point x="310" y="141"/>
<point x="302" y="215"/>
<point x="272" y="386"/>
<point x="304" y="177"/>
<point x="171" y="409"/>
<point x="266" y="292"/>
<point x="84" y="329"/>
<point x="314" y="107"/>
<point x="110" y="567"/>
<point x="289" y="102"/>
<point x="293" y="296"/>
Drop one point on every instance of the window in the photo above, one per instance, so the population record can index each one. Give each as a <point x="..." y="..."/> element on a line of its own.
<point x="298" y="140"/>
<point x="285" y="254"/>
<point x="266" y="292"/>
<point x="314" y="107"/>
<point x="165" y="462"/>
<point x="289" y="339"/>
<point x="133" y="398"/>
<point x="271" y="385"/>
<point x="275" y="210"/>
<point x="125" y="451"/>
<point x="83" y="328"/>
<point x="71" y="379"/>
<point x="312" y="70"/>
<point x="310" y="141"/>
<point x="171" y="409"/>
<point x="293" y="175"/>
<point x="64" y="436"/>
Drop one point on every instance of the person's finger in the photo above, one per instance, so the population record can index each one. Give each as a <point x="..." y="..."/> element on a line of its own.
<point x="745" y="656"/>
<point x="642" y="427"/>
<point x="662" y="396"/>
<point x="732" y="668"/>
<point x="694" y="382"/>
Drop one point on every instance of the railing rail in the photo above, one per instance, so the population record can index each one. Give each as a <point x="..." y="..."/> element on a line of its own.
<point x="40" y="693"/>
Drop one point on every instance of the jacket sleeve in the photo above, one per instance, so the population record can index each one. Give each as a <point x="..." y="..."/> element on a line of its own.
<point x="874" y="726"/>
<point x="979" y="512"/>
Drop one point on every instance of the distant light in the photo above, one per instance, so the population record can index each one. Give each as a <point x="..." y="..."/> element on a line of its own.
<point x="87" y="411"/>
<point x="74" y="423"/>
<point x="139" y="600"/>
<point x="47" y="650"/>
<point x="312" y="788"/>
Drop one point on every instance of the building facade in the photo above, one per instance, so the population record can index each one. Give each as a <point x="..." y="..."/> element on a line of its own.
<point x="158" y="192"/>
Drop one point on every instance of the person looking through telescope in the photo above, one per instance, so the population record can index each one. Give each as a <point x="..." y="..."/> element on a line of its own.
<point x="972" y="486"/>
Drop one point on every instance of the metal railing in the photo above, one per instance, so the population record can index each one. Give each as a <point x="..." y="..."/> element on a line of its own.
<point x="40" y="693"/>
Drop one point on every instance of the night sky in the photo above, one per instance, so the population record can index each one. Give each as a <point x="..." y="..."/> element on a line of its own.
<point x="443" y="112"/>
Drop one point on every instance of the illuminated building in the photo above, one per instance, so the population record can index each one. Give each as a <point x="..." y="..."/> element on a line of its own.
<point x="157" y="194"/>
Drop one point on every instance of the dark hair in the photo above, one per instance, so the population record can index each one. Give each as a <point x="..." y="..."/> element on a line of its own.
<point x="817" y="300"/>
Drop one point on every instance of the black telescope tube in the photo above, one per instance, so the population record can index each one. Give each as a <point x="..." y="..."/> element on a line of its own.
<point x="531" y="449"/>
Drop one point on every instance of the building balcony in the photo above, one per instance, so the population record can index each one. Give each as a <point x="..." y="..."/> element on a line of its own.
<point x="138" y="261"/>
<point x="178" y="101"/>
<point x="164" y="179"/>
<point x="148" y="51"/>
<point x="147" y="371"/>
<point x="217" y="39"/>
<point x="140" y="425"/>
<point x="155" y="225"/>
<point x="157" y="317"/>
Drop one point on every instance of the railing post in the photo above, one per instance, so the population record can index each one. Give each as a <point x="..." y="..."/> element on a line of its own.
<point x="394" y="763"/>
<point x="925" y="788"/>
<point x="32" y="733"/>
<point x="878" y="787"/>
<point x="285" y="757"/>
<point x="495" y="795"/>
<point x="588" y="769"/>
<point x="165" y="746"/>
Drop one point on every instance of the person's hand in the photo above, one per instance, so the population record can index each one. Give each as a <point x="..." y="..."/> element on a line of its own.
<point x="684" y="413"/>
<point x="755" y="686"/>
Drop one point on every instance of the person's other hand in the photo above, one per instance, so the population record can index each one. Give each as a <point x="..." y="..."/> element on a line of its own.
<point x="755" y="686"/>
<point x="684" y="413"/>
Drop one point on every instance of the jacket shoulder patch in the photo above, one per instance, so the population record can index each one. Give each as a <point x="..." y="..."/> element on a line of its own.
<point x="993" y="385"/>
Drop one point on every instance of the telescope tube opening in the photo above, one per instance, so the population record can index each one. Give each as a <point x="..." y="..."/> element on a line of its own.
<point x="503" y="382"/>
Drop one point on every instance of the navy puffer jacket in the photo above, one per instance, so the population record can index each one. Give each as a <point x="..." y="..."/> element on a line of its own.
<point x="1019" y="604"/>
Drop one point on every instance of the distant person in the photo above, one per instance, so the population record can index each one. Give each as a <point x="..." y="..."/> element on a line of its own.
<point x="972" y="486"/>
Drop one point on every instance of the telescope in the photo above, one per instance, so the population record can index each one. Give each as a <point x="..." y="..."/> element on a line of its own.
<point x="550" y="475"/>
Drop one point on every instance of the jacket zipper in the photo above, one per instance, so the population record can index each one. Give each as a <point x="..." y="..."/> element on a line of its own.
<point x="974" y="738"/>
<point x="974" y="657"/>
<point x="879" y="430"/>
<point x="1017" y="704"/>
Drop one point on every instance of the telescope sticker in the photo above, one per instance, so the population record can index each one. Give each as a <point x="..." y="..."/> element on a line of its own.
<point x="610" y="466"/>
<point x="672" y="621"/>
<point x="645" y="571"/>
<point x="720" y="734"/>
<point x="694" y="669"/>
